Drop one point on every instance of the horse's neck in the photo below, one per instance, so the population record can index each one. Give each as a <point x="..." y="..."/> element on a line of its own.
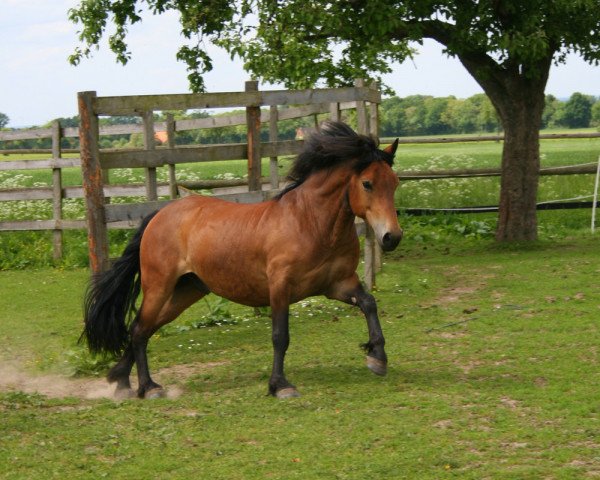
<point x="324" y="200"/>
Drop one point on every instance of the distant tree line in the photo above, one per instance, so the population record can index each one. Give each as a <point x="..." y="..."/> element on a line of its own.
<point x="426" y="115"/>
<point x="407" y="116"/>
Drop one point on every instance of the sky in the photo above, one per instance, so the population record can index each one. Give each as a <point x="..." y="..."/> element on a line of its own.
<point x="37" y="84"/>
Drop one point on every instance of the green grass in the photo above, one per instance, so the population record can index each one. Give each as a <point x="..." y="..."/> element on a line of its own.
<point x="494" y="369"/>
<point x="494" y="373"/>
<point x="454" y="193"/>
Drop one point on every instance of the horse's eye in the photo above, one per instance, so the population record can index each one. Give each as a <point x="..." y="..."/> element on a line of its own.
<point x="368" y="186"/>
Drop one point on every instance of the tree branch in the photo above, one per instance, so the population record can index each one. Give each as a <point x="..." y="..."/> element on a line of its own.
<point x="484" y="69"/>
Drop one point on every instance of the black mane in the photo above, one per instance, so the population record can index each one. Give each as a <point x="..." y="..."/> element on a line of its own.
<point x="333" y="144"/>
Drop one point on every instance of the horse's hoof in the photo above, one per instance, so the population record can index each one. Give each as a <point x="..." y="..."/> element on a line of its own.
<point x="378" y="367"/>
<point x="124" y="394"/>
<point x="288" y="392"/>
<point x="155" y="393"/>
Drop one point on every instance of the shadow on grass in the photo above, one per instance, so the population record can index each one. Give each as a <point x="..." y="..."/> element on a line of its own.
<point x="321" y="377"/>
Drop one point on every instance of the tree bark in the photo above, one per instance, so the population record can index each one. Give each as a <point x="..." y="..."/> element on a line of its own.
<point x="521" y="115"/>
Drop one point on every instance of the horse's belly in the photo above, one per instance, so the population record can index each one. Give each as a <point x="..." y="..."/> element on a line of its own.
<point x="247" y="282"/>
<point x="243" y="294"/>
<point x="234" y="278"/>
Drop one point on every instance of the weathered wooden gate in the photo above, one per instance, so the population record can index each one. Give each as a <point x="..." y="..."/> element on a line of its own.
<point x="96" y="163"/>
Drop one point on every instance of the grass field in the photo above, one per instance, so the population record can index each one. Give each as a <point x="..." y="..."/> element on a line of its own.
<point x="494" y="373"/>
<point x="494" y="367"/>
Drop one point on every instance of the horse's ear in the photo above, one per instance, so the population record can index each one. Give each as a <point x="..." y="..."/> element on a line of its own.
<point x="391" y="149"/>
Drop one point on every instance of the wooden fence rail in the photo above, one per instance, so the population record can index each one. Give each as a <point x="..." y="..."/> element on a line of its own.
<point x="218" y="121"/>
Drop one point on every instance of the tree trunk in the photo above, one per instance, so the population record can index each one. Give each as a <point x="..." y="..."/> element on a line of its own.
<point x="516" y="89"/>
<point x="521" y="115"/>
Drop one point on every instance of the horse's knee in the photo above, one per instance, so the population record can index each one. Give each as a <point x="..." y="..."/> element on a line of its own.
<point x="367" y="303"/>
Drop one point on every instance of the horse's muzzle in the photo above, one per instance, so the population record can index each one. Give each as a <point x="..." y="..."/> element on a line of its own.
<point x="390" y="240"/>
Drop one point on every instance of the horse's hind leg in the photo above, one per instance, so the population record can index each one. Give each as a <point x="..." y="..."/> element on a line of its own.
<point x="120" y="374"/>
<point x="158" y="309"/>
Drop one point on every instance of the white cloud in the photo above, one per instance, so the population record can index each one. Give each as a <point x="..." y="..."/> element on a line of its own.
<point x="48" y="31"/>
<point x="36" y="59"/>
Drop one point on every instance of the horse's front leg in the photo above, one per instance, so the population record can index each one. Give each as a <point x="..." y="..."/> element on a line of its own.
<point x="351" y="291"/>
<point x="278" y="384"/>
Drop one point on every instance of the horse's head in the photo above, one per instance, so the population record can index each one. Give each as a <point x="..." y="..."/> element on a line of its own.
<point x="371" y="196"/>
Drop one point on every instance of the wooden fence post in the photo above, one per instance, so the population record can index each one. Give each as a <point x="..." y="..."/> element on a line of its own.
<point x="150" y="144"/>
<point x="334" y="112"/>
<point x="171" y="166"/>
<point x="374" y="118"/>
<point x="92" y="182"/>
<point x="57" y="196"/>
<point x="253" y="126"/>
<point x="362" y="120"/>
<point x="374" y="130"/>
<point x="273" y="137"/>
<point x="362" y="116"/>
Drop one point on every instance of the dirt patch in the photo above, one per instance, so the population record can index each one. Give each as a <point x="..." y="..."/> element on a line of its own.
<point x="510" y="403"/>
<point x="13" y="378"/>
<point x="463" y="287"/>
<point x="454" y="294"/>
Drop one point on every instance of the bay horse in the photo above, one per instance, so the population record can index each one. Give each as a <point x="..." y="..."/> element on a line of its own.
<point x="299" y="244"/>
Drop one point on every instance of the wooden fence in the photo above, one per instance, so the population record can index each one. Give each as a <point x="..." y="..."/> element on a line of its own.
<point x="103" y="216"/>
<point x="153" y="156"/>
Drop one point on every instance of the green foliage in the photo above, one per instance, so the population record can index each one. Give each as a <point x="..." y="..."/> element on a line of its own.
<point x="20" y="400"/>
<point x="595" y="120"/>
<point x="303" y="43"/>
<point x="578" y="111"/>
<point x="426" y="115"/>
<point x="22" y="250"/>
<point x="3" y="120"/>
<point x="553" y="112"/>
<point x="82" y="363"/>
<point x="218" y="314"/>
<point x="433" y="229"/>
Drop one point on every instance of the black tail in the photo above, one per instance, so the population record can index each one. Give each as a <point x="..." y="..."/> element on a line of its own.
<point x="110" y="300"/>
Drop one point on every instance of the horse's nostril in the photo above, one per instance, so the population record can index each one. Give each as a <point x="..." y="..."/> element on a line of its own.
<point x="389" y="241"/>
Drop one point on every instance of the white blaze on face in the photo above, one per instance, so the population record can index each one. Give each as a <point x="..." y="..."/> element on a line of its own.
<point x="387" y="233"/>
